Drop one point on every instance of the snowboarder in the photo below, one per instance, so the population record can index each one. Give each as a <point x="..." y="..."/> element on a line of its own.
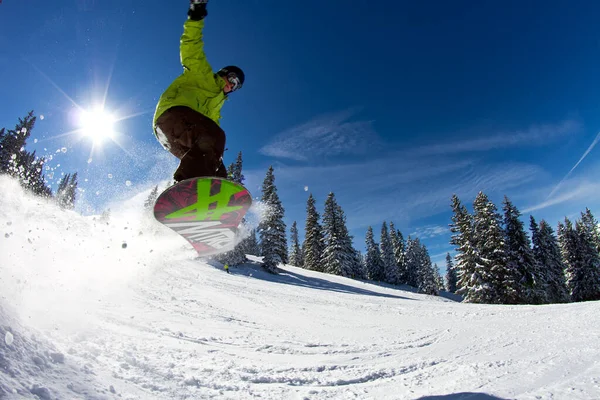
<point x="226" y="268"/>
<point x="186" y="121"/>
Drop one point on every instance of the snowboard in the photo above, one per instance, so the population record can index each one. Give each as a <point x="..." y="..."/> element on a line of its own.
<point x="205" y="211"/>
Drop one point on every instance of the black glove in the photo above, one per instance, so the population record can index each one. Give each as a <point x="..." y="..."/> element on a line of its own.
<point x="197" y="10"/>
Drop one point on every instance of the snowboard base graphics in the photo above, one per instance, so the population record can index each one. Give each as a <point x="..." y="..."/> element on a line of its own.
<point x="204" y="211"/>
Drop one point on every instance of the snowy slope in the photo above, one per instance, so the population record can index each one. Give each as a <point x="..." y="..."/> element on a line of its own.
<point x="83" y="316"/>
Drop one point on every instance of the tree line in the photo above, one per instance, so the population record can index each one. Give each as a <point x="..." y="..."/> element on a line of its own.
<point x="328" y="245"/>
<point x="496" y="262"/>
<point x="28" y="168"/>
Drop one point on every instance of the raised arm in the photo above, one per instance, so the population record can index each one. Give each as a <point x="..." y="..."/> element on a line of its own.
<point x="192" y="48"/>
<point x="192" y="54"/>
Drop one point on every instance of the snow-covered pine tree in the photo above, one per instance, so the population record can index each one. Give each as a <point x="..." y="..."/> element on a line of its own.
<point x="426" y="280"/>
<point x="72" y="190"/>
<point x="295" y="251"/>
<point x="581" y="279"/>
<point x="474" y="283"/>
<point x="12" y="145"/>
<point x="547" y="253"/>
<point x="359" y="266"/>
<point x="272" y="229"/>
<point x="237" y="256"/>
<point x="587" y="230"/>
<point x="313" y="245"/>
<point x="362" y="259"/>
<point x="466" y="267"/>
<point x="353" y="259"/>
<point x="250" y="244"/>
<point x="523" y="283"/>
<point x="414" y="260"/>
<point x="490" y="245"/>
<point x="338" y="254"/>
<point x="390" y="268"/>
<point x="373" y="261"/>
<point x="438" y="278"/>
<point x="234" y="171"/>
<point x="62" y="187"/>
<point x="30" y="171"/>
<point x="66" y="192"/>
<point x="451" y="277"/>
<point x="399" y="247"/>
<point x="151" y="199"/>
<point x="591" y="226"/>
<point x="19" y="163"/>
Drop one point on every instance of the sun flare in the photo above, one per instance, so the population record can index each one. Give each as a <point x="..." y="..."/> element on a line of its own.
<point x="97" y="124"/>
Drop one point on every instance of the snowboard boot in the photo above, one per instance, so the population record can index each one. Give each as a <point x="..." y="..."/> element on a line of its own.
<point x="201" y="160"/>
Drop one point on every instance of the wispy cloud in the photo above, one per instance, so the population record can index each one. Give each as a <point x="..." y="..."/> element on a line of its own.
<point x="430" y="231"/>
<point x="410" y="189"/>
<point x="534" y="135"/>
<point x="590" y="148"/>
<point x="327" y="135"/>
<point x="575" y="190"/>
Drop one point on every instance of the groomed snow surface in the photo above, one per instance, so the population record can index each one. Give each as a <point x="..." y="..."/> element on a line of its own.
<point x="124" y="310"/>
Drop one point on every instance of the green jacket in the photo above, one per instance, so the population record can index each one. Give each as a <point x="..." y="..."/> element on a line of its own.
<point x="198" y="87"/>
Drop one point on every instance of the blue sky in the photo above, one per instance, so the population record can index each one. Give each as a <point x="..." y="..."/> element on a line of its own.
<point x="393" y="106"/>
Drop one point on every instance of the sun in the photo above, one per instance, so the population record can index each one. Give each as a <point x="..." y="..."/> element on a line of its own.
<point x="97" y="124"/>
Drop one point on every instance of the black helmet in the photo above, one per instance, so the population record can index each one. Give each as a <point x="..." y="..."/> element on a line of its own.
<point x="234" y="75"/>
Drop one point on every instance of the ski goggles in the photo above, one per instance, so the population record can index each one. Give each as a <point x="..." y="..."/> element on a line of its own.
<point x="234" y="80"/>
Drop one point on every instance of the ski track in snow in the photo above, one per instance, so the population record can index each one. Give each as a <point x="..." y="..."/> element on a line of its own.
<point x="83" y="317"/>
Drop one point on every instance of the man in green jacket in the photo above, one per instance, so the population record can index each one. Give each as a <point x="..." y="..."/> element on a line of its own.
<point x="186" y="121"/>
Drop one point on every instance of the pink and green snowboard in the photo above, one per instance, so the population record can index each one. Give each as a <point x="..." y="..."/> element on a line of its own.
<point x="205" y="211"/>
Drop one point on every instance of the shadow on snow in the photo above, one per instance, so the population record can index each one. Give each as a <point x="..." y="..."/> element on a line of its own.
<point x="462" y="396"/>
<point x="255" y="270"/>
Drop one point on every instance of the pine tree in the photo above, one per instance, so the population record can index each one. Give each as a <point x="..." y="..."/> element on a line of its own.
<point x="451" y="276"/>
<point x="587" y="230"/>
<point x="576" y="249"/>
<point x="591" y="226"/>
<point x="354" y="266"/>
<point x="272" y="229"/>
<point x="29" y="170"/>
<point x="426" y="280"/>
<point x="390" y="268"/>
<point x="399" y="247"/>
<point x="62" y="187"/>
<point x="359" y="266"/>
<point x="313" y="244"/>
<point x="67" y="191"/>
<point x="373" y="261"/>
<point x="438" y="278"/>
<point x="234" y="171"/>
<point x="339" y="256"/>
<point x="474" y="283"/>
<point x="151" y="199"/>
<point x="17" y="162"/>
<point x="490" y="245"/>
<point x="237" y="256"/>
<point x="296" y="252"/>
<point x="362" y="266"/>
<point x="250" y="244"/>
<point x="12" y="147"/>
<point x="414" y="261"/>
<point x="547" y="253"/>
<point x="523" y="282"/>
